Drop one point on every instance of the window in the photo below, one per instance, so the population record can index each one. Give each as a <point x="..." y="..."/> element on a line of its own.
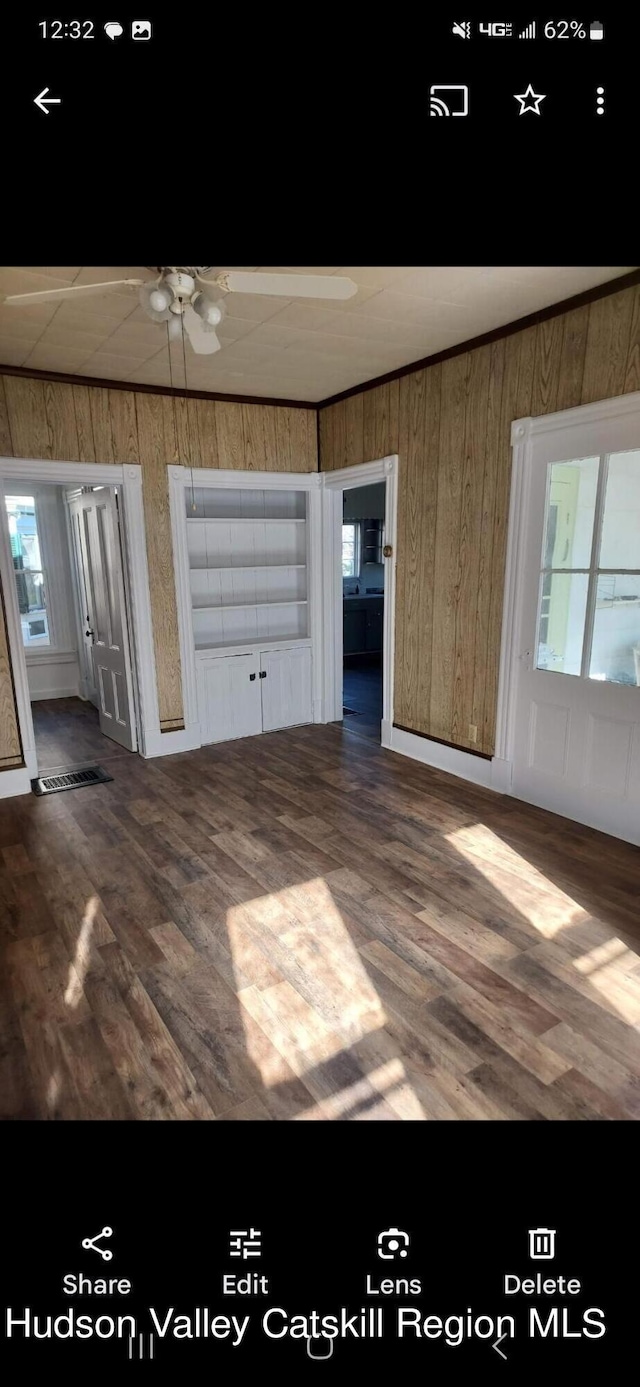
<point x="351" y="550"/>
<point x="30" y="576"/>
<point x="589" y="617"/>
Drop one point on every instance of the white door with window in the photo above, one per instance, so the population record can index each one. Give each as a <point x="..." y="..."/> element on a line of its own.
<point x="575" y="720"/>
<point x="97" y="534"/>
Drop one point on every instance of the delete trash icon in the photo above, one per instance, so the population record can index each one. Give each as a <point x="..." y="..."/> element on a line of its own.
<point x="542" y="1244"/>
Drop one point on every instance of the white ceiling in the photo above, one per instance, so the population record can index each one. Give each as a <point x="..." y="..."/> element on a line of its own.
<point x="274" y="347"/>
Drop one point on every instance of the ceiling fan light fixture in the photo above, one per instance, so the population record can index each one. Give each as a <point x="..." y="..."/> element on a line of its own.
<point x="211" y="311"/>
<point x="160" y="294"/>
<point x="160" y="298"/>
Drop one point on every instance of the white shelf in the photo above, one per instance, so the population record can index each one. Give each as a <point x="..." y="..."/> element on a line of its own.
<point x="249" y="606"/>
<point x="245" y="567"/>
<point x="251" y="647"/>
<point x="245" y="520"/>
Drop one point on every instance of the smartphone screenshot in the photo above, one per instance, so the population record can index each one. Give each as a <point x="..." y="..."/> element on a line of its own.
<point x="319" y="692"/>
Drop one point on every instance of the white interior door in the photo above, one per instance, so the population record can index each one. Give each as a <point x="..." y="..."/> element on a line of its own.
<point x="576" y="737"/>
<point x="95" y="520"/>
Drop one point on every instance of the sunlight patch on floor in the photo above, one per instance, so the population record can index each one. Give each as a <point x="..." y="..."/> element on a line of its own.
<point x="535" y="896"/>
<point x="78" y="968"/>
<point x="607" y="968"/>
<point x="53" y="1089"/>
<point x="324" y="1002"/>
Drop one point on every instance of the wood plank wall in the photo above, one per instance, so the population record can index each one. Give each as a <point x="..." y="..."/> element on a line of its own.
<point x="77" y="423"/>
<point x="450" y="425"/>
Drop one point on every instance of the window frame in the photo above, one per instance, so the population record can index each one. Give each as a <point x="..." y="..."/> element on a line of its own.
<point x="593" y="572"/>
<point x="37" y="646"/>
<point x="357" y="549"/>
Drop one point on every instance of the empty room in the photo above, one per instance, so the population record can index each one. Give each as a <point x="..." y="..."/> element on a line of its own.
<point x="320" y="693"/>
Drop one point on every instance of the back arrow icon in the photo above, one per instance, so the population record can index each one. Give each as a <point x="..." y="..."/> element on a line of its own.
<point x="499" y="1350"/>
<point x="44" y="101"/>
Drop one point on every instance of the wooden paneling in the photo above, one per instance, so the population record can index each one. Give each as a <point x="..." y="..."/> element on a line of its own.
<point x="102" y="435"/>
<point x="27" y="418"/>
<point x="84" y="424"/>
<point x="5" y="431"/>
<point x="450" y="424"/>
<point x="124" y="428"/>
<point x="447" y="544"/>
<point x="61" y="418"/>
<point x="605" y="368"/>
<point x="157" y="443"/>
<point x="77" y="423"/>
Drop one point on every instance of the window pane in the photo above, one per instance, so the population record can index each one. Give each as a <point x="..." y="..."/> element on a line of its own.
<point x="620" y="546"/>
<point x="561" y="630"/>
<point x="571" y="508"/>
<point x="615" y="652"/>
<point x="348" y="551"/>
<point x="30" y="587"/>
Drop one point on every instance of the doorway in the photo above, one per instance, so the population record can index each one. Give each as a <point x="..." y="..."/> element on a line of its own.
<point x="134" y="596"/>
<point x="572" y="678"/>
<point x="363" y="516"/>
<point x="69" y="590"/>
<point x="360" y="559"/>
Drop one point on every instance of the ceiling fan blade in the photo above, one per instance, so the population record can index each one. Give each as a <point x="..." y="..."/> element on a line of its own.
<point x="203" y="339"/>
<point x="74" y="291"/>
<point x="290" y="286"/>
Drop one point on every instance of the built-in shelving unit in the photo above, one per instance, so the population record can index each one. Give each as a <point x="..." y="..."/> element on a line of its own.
<point x="248" y="566"/>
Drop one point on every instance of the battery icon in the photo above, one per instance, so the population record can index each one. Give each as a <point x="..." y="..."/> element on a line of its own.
<point x="596" y="30"/>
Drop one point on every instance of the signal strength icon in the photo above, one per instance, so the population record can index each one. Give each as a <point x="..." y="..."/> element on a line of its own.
<point x="529" y="32"/>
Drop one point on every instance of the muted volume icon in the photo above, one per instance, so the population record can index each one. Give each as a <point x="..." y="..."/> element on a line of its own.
<point x="449" y="101"/>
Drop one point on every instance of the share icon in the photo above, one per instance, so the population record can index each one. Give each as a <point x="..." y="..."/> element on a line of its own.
<point x="90" y="1244"/>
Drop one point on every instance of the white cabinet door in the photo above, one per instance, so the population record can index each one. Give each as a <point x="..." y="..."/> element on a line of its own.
<point x="229" y="698"/>
<point x="285" y="679"/>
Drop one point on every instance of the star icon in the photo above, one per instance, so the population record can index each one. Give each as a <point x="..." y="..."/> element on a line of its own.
<point x="530" y="101"/>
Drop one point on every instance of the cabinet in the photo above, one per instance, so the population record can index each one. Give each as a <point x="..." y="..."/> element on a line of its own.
<point x="242" y="695"/>
<point x="363" y="619"/>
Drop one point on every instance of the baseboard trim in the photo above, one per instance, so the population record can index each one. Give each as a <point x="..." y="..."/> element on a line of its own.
<point x="15" y="782"/>
<point x="170" y="743"/>
<point x="493" y="774"/>
<point x="54" y="693"/>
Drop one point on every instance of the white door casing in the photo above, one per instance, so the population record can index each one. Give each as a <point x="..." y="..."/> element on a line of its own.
<point x="573" y="740"/>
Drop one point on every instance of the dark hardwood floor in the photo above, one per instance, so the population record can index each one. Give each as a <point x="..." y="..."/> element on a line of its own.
<point x="302" y="925"/>
<point x="67" y="733"/>
<point x="362" y="696"/>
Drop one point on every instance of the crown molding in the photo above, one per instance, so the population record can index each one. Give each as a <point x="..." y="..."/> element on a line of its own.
<point x="95" y="381"/>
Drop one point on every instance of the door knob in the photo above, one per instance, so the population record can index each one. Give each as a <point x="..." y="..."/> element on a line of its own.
<point x="89" y="632"/>
<point x="251" y="678"/>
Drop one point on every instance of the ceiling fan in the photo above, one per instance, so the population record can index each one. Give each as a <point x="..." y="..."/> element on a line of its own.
<point x="185" y="299"/>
